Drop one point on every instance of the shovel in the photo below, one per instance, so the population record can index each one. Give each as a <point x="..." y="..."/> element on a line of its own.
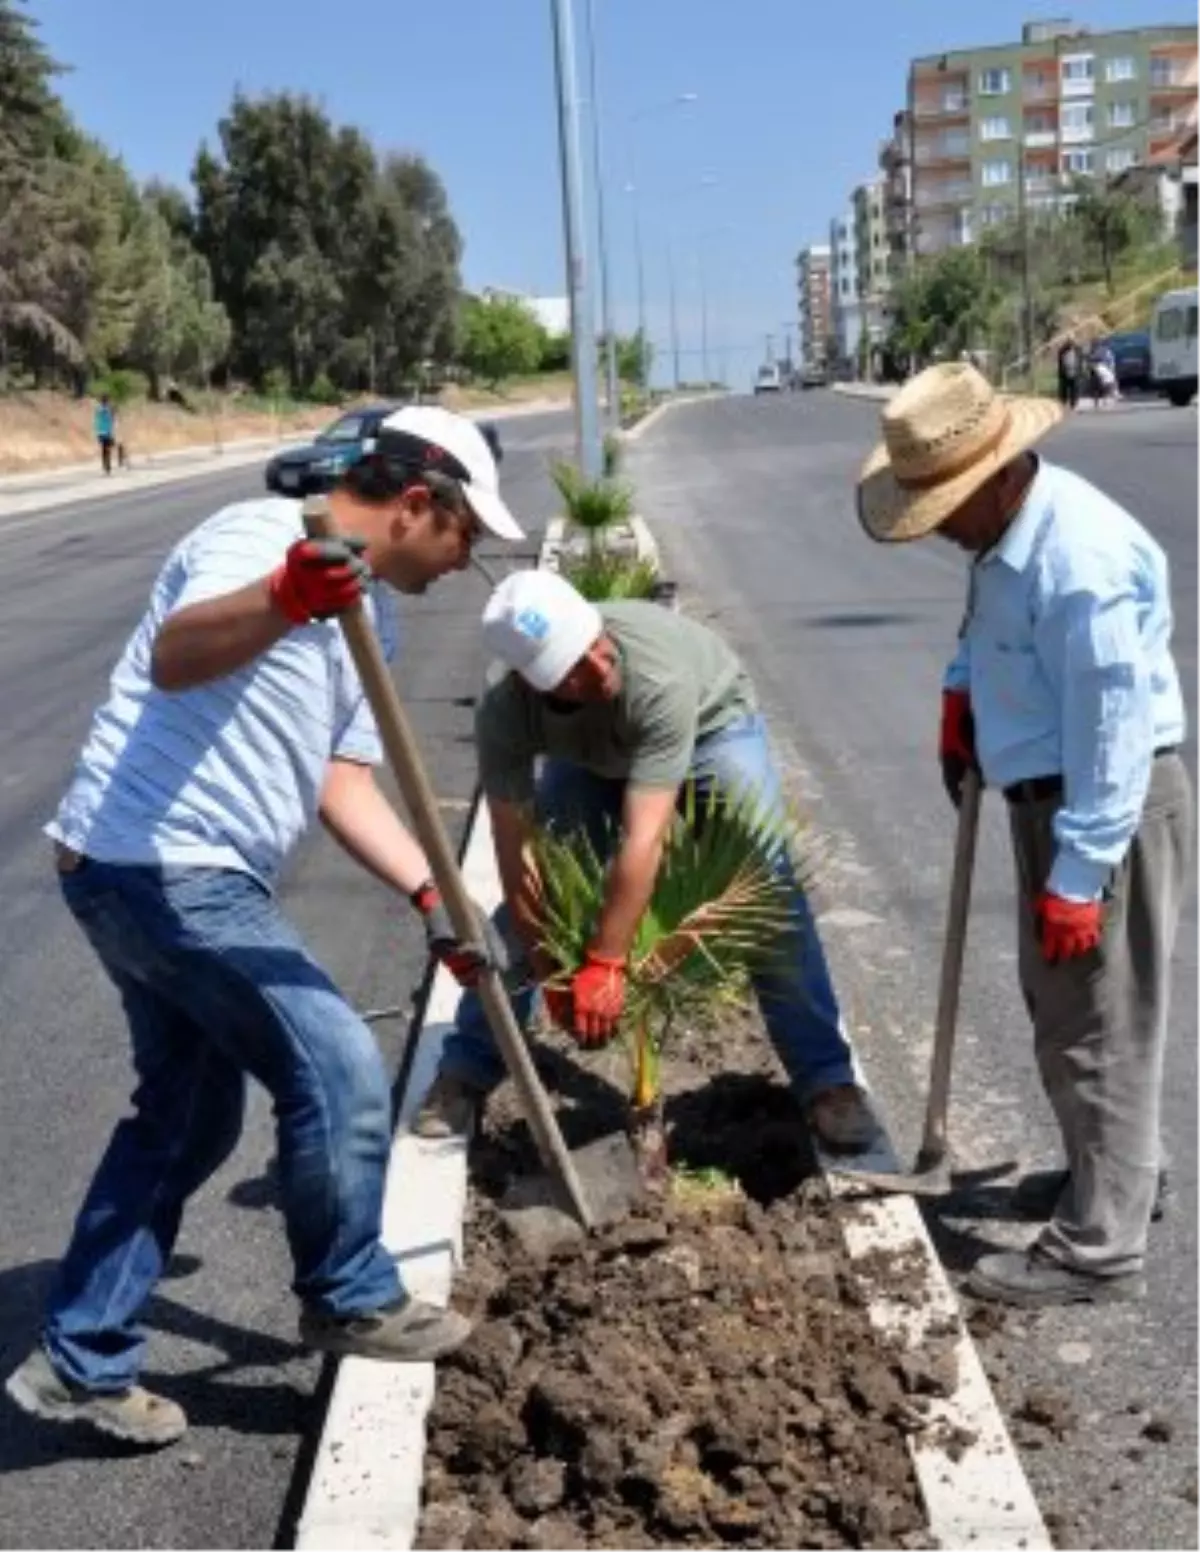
<point x="931" y="1173"/>
<point x="615" y="1183"/>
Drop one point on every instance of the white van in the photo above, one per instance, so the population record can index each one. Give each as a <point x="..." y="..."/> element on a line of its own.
<point x="1173" y="346"/>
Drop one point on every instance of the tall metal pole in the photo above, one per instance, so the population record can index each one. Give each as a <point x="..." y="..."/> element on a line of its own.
<point x="606" y="316"/>
<point x="643" y="343"/>
<point x="674" y="315"/>
<point x="583" y="323"/>
<point x="704" y="324"/>
<point x="1026" y="289"/>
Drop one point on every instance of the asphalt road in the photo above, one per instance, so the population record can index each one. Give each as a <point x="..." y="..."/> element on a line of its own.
<point x="847" y="642"/>
<point x="73" y="581"/>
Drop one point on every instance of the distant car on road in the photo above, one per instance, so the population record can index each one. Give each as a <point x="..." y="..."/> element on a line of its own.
<point x="1173" y="345"/>
<point x="814" y="377"/>
<point x="769" y="380"/>
<point x="315" y="465"/>
<point x="1131" y="352"/>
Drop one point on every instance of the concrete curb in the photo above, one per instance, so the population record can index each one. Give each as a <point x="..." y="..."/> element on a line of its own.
<point x="635" y="433"/>
<point x="865" y="390"/>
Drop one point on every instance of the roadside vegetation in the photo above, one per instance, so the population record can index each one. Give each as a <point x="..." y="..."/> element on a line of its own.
<point x="1094" y="268"/>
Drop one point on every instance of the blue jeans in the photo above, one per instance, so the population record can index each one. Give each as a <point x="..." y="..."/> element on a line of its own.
<point x="798" y="1003"/>
<point x="217" y="985"/>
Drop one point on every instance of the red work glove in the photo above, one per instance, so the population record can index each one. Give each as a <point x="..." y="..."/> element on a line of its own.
<point x="1067" y="929"/>
<point x="318" y="578"/>
<point x="465" y="961"/>
<point x="956" y="743"/>
<point x="598" y="992"/>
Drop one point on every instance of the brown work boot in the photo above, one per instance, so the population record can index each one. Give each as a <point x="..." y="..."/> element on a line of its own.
<point x="135" y="1415"/>
<point x="842" y="1119"/>
<point x="451" y="1108"/>
<point x="409" y="1331"/>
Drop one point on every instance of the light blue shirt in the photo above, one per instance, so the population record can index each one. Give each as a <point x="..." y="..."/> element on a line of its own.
<point x="228" y="774"/>
<point x="1065" y="650"/>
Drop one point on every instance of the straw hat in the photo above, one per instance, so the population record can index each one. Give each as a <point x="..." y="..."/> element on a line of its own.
<point x="944" y="434"/>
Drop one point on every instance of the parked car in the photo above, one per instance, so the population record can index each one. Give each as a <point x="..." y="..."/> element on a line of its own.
<point x="814" y="377"/>
<point x="313" y="466"/>
<point x="1131" y="352"/>
<point x="1173" y="345"/>
<point x="768" y="380"/>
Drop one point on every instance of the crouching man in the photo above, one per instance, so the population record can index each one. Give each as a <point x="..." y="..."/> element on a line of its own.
<point x="626" y="701"/>
<point x="235" y="717"/>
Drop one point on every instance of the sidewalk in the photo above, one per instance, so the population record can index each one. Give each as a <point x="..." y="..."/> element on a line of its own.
<point x="86" y="482"/>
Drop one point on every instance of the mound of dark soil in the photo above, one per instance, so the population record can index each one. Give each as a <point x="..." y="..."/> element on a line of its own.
<point x="702" y="1374"/>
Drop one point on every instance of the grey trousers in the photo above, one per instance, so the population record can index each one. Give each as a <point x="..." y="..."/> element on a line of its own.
<point x="1100" y="1025"/>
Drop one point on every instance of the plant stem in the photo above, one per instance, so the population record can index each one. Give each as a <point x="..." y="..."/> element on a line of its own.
<point x="645" y="1080"/>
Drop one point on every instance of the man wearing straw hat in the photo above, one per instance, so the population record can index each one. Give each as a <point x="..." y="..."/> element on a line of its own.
<point x="1064" y="695"/>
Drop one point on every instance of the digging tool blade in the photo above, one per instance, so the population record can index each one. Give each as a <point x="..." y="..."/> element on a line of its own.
<point x="931" y="1174"/>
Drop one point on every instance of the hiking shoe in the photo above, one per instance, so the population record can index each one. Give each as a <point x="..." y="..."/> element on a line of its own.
<point x="1036" y="1195"/>
<point x="1032" y="1279"/>
<point x="409" y="1331"/>
<point x="450" y="1109"/>
<point x="842" y="1119"/>
<point x="135" y="1415"/>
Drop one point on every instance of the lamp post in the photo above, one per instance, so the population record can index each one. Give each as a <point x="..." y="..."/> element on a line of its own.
<point x="632" y="188"/>
<point x="611" y="376"/>
<point x="583" y="335"/>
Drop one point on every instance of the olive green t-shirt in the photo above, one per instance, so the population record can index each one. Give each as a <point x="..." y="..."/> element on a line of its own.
<point x="679" y="682"/>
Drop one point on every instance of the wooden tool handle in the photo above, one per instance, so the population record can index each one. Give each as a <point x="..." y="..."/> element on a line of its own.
<point x="405" y="759"/>
<point x="953" y="955"/>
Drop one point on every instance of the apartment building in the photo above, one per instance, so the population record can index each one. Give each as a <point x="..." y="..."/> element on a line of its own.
<point x="872" y="256"/>
<point x="814" y="303"/>
<point x="843" y="288"/>
<point x="895" y="161"/>
<point x="989" y="124"/>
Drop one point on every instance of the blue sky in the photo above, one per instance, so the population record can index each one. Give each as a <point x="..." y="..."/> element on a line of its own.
<point x="793" y="97"/>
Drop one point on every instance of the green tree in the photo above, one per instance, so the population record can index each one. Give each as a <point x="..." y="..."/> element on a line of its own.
<point x="1112" y="222"/>
<point x="635" y="355"/>
<point x="500" y="338"/>
<point x="942" y="307"/>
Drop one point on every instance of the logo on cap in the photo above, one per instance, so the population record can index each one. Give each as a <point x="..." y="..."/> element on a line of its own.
<point x="533" y="623"/>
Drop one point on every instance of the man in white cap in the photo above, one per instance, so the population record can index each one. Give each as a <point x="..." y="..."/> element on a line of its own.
<point x="1065" y="695"/>
<point x="627" y="701"/>
<point x="234" y="718"/>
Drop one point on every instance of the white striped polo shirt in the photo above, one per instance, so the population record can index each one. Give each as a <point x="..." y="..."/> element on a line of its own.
<point x="228" y="774"/>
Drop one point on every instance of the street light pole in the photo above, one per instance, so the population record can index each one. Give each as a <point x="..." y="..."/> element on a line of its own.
<point x="674" y="316"/>
<point x="633" y="187"/>
<point x="583" y="331"/>
<point x="606" y="315"/>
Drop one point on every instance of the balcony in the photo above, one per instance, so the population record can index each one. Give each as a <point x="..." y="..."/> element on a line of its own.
<point x="948" y="105"/>
<point x="943" y="196"/>
<point x="1040" y="91"/>
<point x="943" y="155"/>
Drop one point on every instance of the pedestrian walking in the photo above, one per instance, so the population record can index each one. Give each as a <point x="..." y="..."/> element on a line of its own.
<point x="1065" y="695"/>
<point x="235" y="717"/>
<point x="623" y="705"/>
<point x="1070" y="368"/>
<point x="104" y="423"/>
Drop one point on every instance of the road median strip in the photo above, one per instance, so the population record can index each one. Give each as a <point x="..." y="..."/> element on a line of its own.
<point x="365" y="1489"/>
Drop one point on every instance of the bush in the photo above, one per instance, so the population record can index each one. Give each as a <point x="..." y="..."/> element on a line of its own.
<point x="323" y="391"/>
<point x="613" y="451"/>
<point x="121" y="385"/>
<point x="276" y="384"/>
<point x="599" y="575"/>
<point x="594" y="505"/>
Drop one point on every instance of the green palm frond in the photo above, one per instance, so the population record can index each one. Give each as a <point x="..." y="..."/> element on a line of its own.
<point x="593" y="505"/>
<point x="722" y="910"/>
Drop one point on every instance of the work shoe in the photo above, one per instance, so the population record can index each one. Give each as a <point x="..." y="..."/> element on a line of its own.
<point x="842" y="1119"/>
<point x="1036" y="1195"/>
<point x="450" y="1109"/>
<point x="1031" y="1279"/>
<point x="135" y="1415"/>
<point x="409" y="1331"/>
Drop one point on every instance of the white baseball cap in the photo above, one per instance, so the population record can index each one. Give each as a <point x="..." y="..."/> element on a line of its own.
<point x="536" y="623"/>
<point x="429" y="437"/>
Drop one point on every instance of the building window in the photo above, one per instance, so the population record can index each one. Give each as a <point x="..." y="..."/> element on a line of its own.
<point x="1079" y="68"/>
<point x="1122" y="68"/>
<point x="1078" y="120"/>
<point x="1039" y="124"/>
<point x="994" y="83"/>
<point x="1077" y="161"/>
<point x="1120" y="158"/>
<point x="996" y="128"/>
<point x="1121" y="115"/>
<point x="995" y="173"/>
<point x="1163" y="72"/>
